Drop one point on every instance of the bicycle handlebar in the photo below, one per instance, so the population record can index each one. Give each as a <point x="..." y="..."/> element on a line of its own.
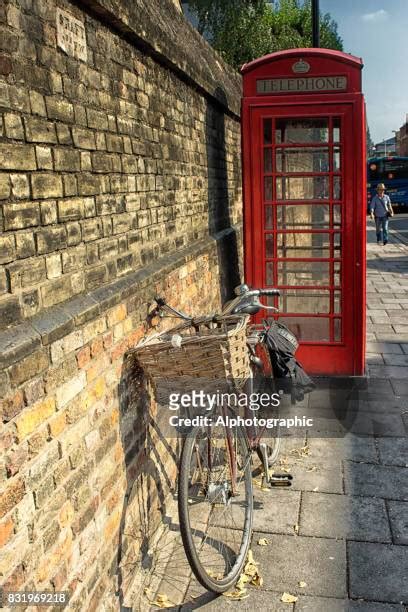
<point x="228" y="308"/>
<point x="269" y="292"/>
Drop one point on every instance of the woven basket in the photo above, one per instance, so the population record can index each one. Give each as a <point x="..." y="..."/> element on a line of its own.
<point x="214" y="352"/>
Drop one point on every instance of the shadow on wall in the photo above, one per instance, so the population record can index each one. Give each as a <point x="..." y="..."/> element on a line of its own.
<point x="150" y="458"/>
<point x="219" y="214"/>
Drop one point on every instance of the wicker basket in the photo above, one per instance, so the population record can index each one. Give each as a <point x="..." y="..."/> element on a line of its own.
<point x="213" y="351"/>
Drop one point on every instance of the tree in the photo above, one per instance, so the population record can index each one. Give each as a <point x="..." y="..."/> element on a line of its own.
<point x="242" y="30"/>
<point x="369" y="142"/>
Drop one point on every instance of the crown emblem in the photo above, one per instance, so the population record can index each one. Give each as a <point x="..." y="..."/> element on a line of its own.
<point x="301" y="66"/>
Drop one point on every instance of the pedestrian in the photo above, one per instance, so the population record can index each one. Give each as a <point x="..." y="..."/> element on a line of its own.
<point x="381" y="211"/>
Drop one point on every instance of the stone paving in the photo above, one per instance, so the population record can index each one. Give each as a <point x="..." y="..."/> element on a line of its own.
<point x="342" y="528"/>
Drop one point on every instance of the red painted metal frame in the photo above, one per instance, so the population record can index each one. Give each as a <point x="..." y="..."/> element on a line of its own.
<point x="347" y="357"/>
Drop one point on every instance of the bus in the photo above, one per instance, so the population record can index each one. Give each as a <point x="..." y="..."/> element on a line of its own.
<point x="393" y="172"/>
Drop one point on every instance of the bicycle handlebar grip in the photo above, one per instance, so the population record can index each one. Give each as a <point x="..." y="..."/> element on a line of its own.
<point x="269" y="292"/>
<point x="160" y="301"/>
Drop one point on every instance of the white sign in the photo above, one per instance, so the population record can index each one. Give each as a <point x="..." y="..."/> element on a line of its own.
<point x="304" y="84"/>
<point x="71" y="35"/>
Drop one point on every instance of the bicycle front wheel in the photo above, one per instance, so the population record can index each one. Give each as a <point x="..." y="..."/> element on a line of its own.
<point x="216" y="504"/>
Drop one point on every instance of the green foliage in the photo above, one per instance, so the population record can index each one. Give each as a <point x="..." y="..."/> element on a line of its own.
<point x="369" y="142"/>
<point x="242" y="30"/>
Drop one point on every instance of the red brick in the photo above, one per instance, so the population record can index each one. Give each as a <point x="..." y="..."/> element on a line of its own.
<point x="11" y="495"/>
<point x="5" y="65"/>
<point x="15" y="580"/>
<point x="83" y="357"/>
<point x="6" y="531"/>
<point x="6" y="440"/>
<point x="11" y="406"/>
<point x="15" y="460"/>
<point x="119" y="350"/>
<point x="96" y="347"/>
<point x="107" y="340"/>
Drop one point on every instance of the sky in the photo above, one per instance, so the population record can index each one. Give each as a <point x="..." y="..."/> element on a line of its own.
<point x="377" y="31"/>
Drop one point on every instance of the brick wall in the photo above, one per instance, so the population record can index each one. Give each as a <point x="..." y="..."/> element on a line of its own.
<point x="120" y="179"/>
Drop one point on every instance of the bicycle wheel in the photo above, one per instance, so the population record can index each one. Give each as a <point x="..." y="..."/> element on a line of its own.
<point x="215" y="519"/>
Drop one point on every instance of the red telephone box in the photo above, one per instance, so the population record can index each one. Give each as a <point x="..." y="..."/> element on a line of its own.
<point x="303" y="128"/>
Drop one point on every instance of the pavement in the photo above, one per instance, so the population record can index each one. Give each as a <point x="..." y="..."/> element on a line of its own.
<point x="338" y="538"/>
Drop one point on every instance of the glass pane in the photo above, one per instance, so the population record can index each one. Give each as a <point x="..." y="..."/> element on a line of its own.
<point x="337" y="187"/>
<point x="267" y="160"/>
<point x="308" y="328"/>
<point x="307" y="216"/>
<point x="302" y="160"/>
<point x="337" y="302"/>
<point x="267" y="124"/>
<point x="337" y="244"/>
<point x="336" y="129"/>
<point x="302" y="188"/>
<point x="301" y="130"/>
<point x="268" y="217"/>
<point x="311" y="302"/>
<point x="337" y="277"/>
<point x="268" y="187"/>
<point x="269" y="274"/>
<point x="336" y="159"/>
<point x="337" y="330"/>
<point x="269" y="245"/>
<point x="336" y="214"/>
<point x="303" y="245"/>
<point x="303" y="273"/>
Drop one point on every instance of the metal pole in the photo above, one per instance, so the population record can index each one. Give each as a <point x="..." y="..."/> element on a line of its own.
<point x="315" y="24"/>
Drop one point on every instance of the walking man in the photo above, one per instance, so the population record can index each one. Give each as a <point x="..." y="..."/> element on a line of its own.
<point x="381" y="210"/>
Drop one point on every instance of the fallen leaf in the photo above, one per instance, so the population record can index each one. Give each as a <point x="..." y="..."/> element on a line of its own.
<point x="288" y="598"/>
<point x="161" y="601"/>
<point x="257" y="580"/>
<point x="311" y="469"/>
<point x="302" y="584"/>
<point x="258" y="483"/>
<point x="243" y="579"/>
<point x="296" y="528"/>
<point x="250" y="558"/>
<point x="263" y="542"/>
<point x="237" y="595"/>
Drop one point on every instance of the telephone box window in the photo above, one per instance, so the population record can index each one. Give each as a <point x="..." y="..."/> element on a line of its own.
<point x="301" y="131"/>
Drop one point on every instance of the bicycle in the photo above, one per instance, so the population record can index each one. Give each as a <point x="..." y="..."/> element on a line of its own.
<point x="215" y="494"/>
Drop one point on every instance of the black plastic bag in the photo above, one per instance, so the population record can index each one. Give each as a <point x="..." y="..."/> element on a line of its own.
<point x="292" y="377"/>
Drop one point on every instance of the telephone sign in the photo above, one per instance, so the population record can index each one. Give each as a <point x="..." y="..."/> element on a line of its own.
<point x="303" y="127"/>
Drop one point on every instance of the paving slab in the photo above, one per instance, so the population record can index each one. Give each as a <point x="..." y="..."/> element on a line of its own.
<point x="393" y="451"/>
<point x="276" y="510"/>
<point x="400" y="387"/>
<point x="257" y="600"/>
<point x="397" y="360"/>
<point x="323" y="604"/>
<point x="378" y="572"/>
<point x="344" y="516"/>
<point x="370" y="480"/>
<point x="387" y="425"/>
<point x="331" y="450"/>
<point x="289" y="560"/>
<point x="398" y="513"/>
<point x="320" y="604"/>
<point x="388" y="371"/>
<point x="325" y="478"/>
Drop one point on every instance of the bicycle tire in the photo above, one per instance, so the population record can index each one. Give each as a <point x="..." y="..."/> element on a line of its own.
<point x="208" y="581"/>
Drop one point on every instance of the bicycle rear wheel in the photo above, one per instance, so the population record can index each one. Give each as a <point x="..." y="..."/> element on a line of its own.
<point x="216" y="516"/>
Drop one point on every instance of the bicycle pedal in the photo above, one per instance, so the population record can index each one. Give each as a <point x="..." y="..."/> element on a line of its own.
<point x="281" y="480"/>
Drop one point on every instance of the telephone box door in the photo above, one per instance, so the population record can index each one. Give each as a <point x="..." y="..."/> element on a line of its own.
<point x="303" y="225"/>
